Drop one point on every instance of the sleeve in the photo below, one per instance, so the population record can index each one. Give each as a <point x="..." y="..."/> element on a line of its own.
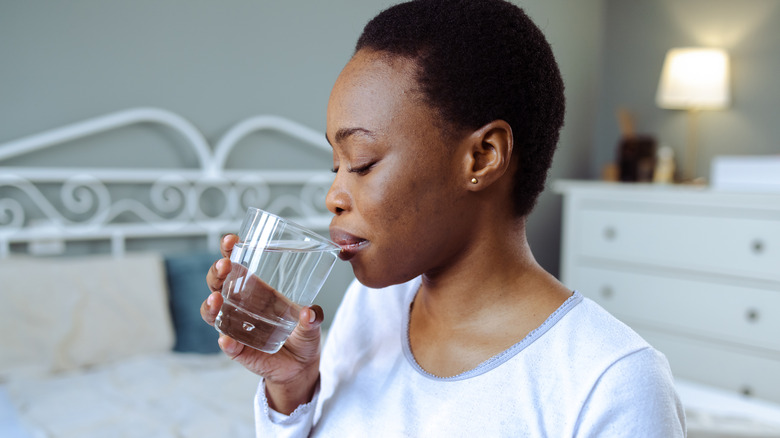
<point x="271" y="423"/>
<point x="634" y="397"/>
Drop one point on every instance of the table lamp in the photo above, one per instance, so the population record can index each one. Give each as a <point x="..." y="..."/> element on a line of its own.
<point x="694" y="79"/>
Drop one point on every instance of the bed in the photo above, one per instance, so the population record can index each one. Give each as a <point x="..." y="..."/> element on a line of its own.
<point x="102" y="272"/>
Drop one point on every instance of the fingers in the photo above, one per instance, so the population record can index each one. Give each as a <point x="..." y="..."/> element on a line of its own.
<point x="215" y="278"/>
<point x="227" y="243"/>
<point x="221" y="268"/>
<point x="217" y="274"/>
<point x="210" y="307"/>
<point x="230" y="346"/>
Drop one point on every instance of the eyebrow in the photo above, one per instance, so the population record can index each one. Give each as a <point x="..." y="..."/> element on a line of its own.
<point x="343" y="133"/>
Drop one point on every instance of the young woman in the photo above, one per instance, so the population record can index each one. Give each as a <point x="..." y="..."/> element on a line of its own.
<point x="443" y="126"/>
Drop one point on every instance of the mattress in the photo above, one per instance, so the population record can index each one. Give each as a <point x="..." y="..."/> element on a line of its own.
<point x="158" y="396"/>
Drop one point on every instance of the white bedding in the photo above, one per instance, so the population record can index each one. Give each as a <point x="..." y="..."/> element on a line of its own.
<point x="165" y="395"/>
<point x="74" y="312"/>
<point x="717" y="413"/>
<point x="85" y="351"/>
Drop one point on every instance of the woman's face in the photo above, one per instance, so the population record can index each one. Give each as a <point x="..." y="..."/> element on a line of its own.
<point x="398" y="197"/>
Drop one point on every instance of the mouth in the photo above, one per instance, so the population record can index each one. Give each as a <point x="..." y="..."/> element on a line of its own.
<point x="350" y="244"/>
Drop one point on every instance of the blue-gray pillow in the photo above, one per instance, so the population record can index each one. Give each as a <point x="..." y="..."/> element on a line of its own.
<point x="186" y="276"/>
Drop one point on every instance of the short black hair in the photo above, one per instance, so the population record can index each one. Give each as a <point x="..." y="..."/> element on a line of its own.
<point x="479" y="61"/>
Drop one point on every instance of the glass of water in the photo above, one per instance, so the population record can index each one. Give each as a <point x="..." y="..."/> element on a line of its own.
<point x="278" y="267"/>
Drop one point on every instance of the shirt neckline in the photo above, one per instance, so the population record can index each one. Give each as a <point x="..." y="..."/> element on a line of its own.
<point x="494" y="361"/>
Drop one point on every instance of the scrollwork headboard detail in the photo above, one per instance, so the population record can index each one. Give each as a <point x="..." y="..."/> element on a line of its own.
<point x="43" y="208"/>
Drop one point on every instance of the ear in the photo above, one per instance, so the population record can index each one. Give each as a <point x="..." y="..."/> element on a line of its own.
<point x="488" y="154"/>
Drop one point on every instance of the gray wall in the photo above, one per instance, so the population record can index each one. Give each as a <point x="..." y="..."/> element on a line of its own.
<point x="212" y="62"/>
<point x="637" y="35"/>
<point x="218" y="62"/>
<point x="574" y="29"/>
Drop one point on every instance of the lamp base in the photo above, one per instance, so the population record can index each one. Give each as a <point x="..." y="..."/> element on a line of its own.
<point x="691" y="146"/>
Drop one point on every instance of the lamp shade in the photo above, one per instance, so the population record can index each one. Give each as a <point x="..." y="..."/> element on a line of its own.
<point x="694" y="78"/>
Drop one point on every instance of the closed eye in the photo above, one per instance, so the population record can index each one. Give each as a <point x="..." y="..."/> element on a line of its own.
<point x="362" y="170"/>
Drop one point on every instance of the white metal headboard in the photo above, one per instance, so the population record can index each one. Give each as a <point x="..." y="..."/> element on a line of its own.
<point x="173" y="207"/>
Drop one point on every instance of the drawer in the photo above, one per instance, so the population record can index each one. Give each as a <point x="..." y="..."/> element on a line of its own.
<point x="725" y="368"/>
<point x="739" y="246"/>
<point x="723" y="313"/>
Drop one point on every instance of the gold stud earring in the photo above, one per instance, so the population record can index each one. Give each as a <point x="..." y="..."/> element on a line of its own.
<point x="474" y="180"/>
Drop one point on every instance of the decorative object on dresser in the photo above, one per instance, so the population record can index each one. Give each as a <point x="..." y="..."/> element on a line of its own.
<point x="695" y="271"/>
<point x="636" y="153"/>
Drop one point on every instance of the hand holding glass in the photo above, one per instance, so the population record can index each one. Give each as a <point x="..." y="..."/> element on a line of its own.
<point x="277" y="268"/>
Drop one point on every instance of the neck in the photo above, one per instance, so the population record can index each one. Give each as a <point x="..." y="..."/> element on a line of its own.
<point x="496" y="270"/>
<point x="487" y="300"/>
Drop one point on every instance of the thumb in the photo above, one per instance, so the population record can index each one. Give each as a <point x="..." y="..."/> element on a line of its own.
<point x="311" y="318"/>
<point x="309" y="322"/>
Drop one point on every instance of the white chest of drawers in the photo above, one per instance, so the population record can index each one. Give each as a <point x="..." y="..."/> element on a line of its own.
<point x="696" y="272"/>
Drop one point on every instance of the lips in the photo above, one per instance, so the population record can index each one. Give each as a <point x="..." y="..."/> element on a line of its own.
<point x="350" y="244"/>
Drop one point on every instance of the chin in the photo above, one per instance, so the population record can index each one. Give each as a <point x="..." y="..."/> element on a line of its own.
<point x="378" y="280"/>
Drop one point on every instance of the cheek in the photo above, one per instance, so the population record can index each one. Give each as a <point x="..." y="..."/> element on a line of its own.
<point x="386" y="195"/>
<point x="394" y="199"/>
<point x="407" y="215"/>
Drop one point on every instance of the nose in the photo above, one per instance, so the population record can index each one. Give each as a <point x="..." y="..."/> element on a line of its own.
<point x="338" y="200"/>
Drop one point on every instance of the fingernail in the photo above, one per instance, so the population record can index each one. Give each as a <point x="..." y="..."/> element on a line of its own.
<point x="312" y="316"/>
<point x="210" y="300"/>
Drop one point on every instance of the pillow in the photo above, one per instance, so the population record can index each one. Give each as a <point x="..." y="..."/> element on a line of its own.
<point x="186" y="276"/>
<point x="59" y="314"/>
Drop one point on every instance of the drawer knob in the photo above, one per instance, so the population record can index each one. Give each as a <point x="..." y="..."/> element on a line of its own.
<point x="746" y="391"/>
<point x="607" y="292"/>
<point x="758" y="246"/>
<point x="752" y="315"/>
<point x="610" y="233"/>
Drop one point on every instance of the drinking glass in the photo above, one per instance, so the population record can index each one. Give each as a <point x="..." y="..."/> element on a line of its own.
<point x="277" y="268"/>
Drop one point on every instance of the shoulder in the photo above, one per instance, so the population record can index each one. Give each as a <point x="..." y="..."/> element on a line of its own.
<point x="598" y="332"/>
<point x="594" y="329"/>
<point x="602" y="343"/>
<point x="635" y="396"/>
<point x="630" y="388"/>
<point x="579" y="343"/>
